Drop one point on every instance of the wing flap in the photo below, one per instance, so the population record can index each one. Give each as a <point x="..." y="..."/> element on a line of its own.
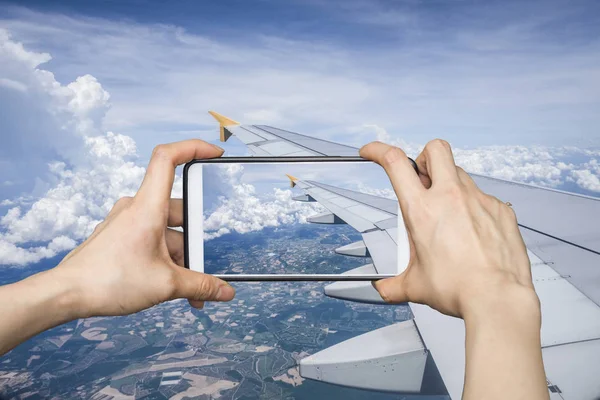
<point x="360" y="291"/>
<point x="391" y="358"/>
<point x="572" y="370"/>
<point x="355" y="249"/>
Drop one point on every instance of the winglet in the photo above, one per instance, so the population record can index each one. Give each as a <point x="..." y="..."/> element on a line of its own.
<point x="223" y="122"/>
<point x="292" y="180"/>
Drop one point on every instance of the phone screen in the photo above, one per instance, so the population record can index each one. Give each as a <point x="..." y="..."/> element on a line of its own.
<point x="278" y="220"/>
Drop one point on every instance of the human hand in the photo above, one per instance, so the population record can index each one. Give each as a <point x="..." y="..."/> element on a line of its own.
<point x="132" y="260"/>
<point x="467" y="253"/>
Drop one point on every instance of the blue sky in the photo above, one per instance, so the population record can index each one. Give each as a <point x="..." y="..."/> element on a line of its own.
<point x="514" y="86"/>
<point x="477" y="73"/>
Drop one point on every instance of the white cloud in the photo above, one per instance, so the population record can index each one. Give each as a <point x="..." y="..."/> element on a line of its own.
<point x="587" y="177"/>
<point x="538" y="165"/>
<point x="89" y="102"/>
<point x="535" y="164"/>
<point x="15" y="85"/>
<point x="387" y="193"/>
<point x="69" y="211"/>
<point x="43" y="120"/>
<point x="88" y="171"/>
<point x="16" y="51"/>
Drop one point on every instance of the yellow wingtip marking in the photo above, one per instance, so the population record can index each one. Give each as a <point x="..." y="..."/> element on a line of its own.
<point x="223" y="122"/>
<point x="292" y="180"/>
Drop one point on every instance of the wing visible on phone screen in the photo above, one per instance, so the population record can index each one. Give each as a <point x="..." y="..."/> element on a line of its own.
<point x="426" y="354"/>
<point x="376" y="218"/>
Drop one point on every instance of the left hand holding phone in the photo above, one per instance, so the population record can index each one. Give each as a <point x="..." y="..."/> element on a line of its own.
<point x="132" y="261"/>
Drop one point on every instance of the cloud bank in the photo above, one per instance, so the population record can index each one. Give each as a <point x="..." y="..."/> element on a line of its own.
<point x="539" y="165"/>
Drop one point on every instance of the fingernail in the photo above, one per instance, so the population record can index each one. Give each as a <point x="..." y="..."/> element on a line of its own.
<point x="225" y="293"/>
<point x="218" y="148"/>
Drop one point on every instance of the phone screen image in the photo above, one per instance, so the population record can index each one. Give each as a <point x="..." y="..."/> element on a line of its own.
<point x="284" y="219"/>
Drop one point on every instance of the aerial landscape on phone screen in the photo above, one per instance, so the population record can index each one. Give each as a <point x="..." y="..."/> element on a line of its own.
<point x="272" y="203"/>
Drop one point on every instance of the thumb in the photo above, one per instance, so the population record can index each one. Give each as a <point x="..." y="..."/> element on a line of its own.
<point x="197" y="287"/>
<point x="392" y="290"/>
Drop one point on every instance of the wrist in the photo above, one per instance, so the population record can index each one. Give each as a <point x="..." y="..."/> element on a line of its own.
<point x="503" y="344"/>
<point x="33" y="305"/>
<point x="65" y="294"/>
<point x="508" y="304"/>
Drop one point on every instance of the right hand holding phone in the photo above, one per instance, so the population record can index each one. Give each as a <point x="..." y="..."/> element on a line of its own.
<point x="467" y="254"/>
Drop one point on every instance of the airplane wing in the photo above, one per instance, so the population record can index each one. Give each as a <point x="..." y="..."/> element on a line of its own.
<point x="426" y="354"/>
<point x="376" y="218"/>
<point x="263" y="140"/>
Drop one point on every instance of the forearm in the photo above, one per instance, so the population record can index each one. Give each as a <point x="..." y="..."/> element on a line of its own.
<point x="503" y="351"/>
<point x="33" y="305"/>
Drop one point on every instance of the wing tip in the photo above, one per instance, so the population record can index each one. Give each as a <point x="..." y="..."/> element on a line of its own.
<point x="223" y="122"/>
<point x="292" y="179"/>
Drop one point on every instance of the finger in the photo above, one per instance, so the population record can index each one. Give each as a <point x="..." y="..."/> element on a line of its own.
<point x="437" y="162"/>
<point x="465" y="178"/>
<point x="196" y="304"/>
<point x="392" y="290"/>
<point x="197" y="286"/>
<point x="425" y="179"/>
<point x="175" y="213"/>
<point x="174" y="241"/>
<point x="158" y="182"/>
<point x="398" y="168"/>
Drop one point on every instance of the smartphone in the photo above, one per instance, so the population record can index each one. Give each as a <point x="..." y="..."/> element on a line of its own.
<point x="292" y="219"/>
